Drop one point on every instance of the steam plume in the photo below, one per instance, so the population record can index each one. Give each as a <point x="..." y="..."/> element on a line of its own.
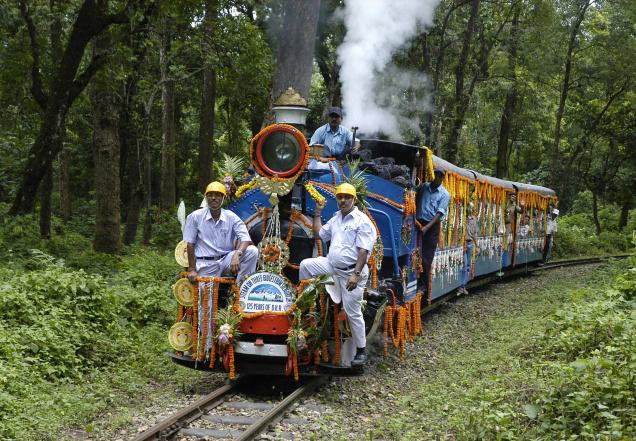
<point x="374" y="92"/>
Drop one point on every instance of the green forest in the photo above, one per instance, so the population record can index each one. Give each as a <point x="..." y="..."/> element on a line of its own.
<point x="117" y="110"/>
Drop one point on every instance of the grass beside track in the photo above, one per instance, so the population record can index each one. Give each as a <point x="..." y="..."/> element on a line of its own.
<point x="472" y="376"/>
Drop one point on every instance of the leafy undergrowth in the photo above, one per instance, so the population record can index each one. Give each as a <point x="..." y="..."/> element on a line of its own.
<point x="484" y="369"/>
<point x="533" y="373"/>
<point x="76" y="343"/>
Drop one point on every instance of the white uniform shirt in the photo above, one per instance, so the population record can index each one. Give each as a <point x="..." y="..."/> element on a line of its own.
<point x="347" y="235"/>
<point x="210" y="238"/>
<point x="552" y="226"/>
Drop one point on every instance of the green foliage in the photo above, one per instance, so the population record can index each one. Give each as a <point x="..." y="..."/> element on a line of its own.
<point x="592" y="345"/>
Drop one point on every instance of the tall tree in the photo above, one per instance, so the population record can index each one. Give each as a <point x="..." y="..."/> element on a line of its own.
<point x="510" y="104"/>
<point x="208" y="96"/>
<point x="295" y="47"/>
<point x="461" y="97"/>
<point x="168" y="189"/>
<point x="66" y="86"/>
<point x="581" y="7"/>
<point x="106" y="149"/>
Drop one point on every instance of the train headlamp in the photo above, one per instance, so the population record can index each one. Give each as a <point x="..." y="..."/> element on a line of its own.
<point x="280" y="151"/>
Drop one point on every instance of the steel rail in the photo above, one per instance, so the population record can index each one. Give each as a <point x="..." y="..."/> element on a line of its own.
<point x="174" y="422"/>
<point x="277" y="411"/>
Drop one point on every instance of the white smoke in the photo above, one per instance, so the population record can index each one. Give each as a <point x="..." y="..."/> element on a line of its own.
<point x="376" y="95"/>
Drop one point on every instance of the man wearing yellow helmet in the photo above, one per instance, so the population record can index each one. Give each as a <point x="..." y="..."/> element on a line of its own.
<point x="211" y="233"/>
<point x="352" y="236"/>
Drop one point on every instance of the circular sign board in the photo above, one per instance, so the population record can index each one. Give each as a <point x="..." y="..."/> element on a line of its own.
<point x="184" y="292"/>
<point x="181" y="254"/>
<point x="263" y="292"/>
<point x="180" y="336"/>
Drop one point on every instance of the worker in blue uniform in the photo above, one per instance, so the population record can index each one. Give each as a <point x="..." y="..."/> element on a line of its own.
<point x="432" y="201"/>
<point x="337" y="139"/>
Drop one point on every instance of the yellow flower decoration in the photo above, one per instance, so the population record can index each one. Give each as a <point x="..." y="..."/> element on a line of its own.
<point x="317" y="197"/>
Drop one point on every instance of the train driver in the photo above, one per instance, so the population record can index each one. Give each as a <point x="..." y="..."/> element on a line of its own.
<point x="210" y="233"/>
<point x="352" y="237"/>
<point x="337" y="139"/>
<point x="432" y="201"/>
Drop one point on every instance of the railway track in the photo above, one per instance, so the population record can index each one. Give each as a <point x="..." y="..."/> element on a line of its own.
<point x="229" y="412"/>
<point x="222" y="413"/>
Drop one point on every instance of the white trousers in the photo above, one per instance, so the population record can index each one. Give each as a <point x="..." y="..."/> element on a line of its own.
<point x="217" y="268"/>
<point x="221" y="267"/>
<point x="351" y="300"/>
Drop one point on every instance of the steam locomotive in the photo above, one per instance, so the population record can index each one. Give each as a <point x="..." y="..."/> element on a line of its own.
<point x="274" y="323"/>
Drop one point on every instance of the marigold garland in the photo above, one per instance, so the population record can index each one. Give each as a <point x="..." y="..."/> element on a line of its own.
<point x="244" y="188"/>
<point x="323" y="316"/>
<point x="295" y="365"/>
<point x="204" y="333"/>
<point x="215" y="308"/>
<point x="230" y="351"/>
<point x="315" y="195"/>
<point x="336" y="336"/>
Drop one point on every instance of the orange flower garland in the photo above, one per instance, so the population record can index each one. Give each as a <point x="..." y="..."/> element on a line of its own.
<point x="215" y="308"/>
<point x="230" y="350"/>
<point x="271" y="253"/>
<point x="204" y="333"/>
<point x="323" y="315"/>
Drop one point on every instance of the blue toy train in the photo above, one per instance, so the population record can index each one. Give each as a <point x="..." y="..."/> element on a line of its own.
<point x="296" y="330"/>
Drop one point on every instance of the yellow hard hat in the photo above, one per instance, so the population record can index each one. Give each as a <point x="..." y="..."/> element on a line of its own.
<point x="216" y="186"/>
<point x="346" y="189"/>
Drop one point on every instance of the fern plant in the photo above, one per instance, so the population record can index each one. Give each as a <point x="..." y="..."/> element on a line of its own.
<point x="359" y="181"/>
<point x="232" y="166"/>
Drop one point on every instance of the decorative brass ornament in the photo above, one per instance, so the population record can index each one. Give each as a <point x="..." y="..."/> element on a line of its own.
<point x="290" y="98"/>
<point x="269" y="186"/>
<point x="183" y="291"/>
<point x="181" y="254"/>
<point x="180" y="336"/>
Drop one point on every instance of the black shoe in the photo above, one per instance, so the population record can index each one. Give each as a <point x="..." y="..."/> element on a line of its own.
<point x="359" y="359"/>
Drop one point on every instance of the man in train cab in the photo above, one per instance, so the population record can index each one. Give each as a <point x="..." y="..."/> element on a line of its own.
<point x="211" y="233"/>
<point x="352" y="236"/>
<point x="337" y="139"/>
<point x="432" y="201"/>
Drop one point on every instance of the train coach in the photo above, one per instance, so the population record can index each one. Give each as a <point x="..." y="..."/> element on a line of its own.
<point x="274" y="323"/>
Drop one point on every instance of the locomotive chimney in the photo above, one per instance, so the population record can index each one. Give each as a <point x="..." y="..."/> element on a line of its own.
<point x="291" y="108"/>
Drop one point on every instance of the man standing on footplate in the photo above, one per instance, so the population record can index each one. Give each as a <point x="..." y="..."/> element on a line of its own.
<point x="352" y="236"/>
<point x="432" y="201"/>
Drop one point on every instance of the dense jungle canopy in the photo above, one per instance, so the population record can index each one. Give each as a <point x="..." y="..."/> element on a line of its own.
<point x="114" y="111"/>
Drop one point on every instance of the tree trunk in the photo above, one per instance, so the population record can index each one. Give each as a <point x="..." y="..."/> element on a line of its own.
<point x="66" y="87"/>
<point x="168" y="189"/>
<point x="461" y="97"/>
<point x="208" y="98"/>
<point x="66" y="204"/>
<point x="597" y="223"/>
<point x="295" y="49"/>
<point x="565" y="88"/>
<point x="505" y="127"/>
<point x="46" y="192"/>
<point x="106" y="153"/>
